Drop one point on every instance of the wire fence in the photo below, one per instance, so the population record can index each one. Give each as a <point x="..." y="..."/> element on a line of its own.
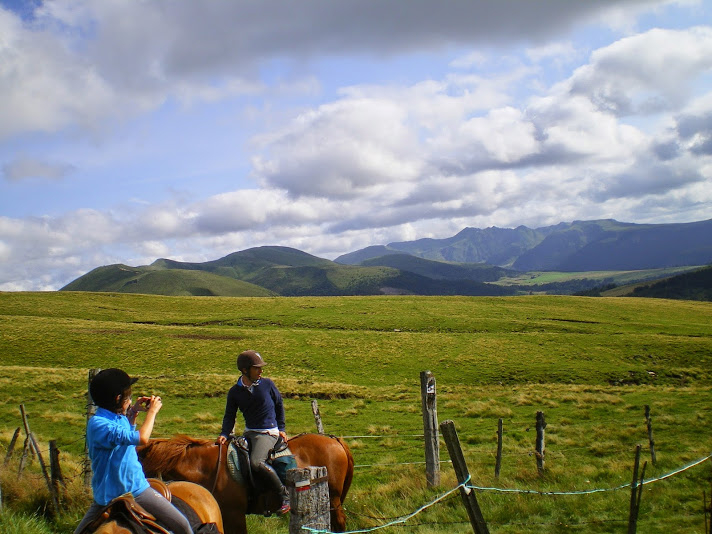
<point x="401" y="520"/>
<point x="410" y="442"/>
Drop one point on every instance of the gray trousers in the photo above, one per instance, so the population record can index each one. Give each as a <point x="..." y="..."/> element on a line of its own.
<point x="155" y="504"/>
<point x="260" y="445"/>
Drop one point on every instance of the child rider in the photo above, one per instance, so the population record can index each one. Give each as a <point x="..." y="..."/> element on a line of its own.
<point x="112" y="438"/>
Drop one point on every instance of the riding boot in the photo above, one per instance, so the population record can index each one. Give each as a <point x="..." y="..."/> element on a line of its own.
<point x="270" y="476"/>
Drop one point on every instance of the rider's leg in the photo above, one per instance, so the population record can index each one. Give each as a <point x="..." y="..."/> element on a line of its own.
<point x="260" y="445"/>
<point x="157" y="505"/>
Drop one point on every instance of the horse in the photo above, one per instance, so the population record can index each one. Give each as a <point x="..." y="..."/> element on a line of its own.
<point x="186" y="458"/>
<point x="124" y="515"/>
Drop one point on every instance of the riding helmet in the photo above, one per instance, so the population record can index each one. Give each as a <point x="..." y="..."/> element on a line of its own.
<point x="107" y="385"/>
<point x="250" y="358"/>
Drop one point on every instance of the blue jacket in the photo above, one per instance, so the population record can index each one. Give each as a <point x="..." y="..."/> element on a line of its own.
<point x="261" y="406"/>
<point x="112" y="448"/>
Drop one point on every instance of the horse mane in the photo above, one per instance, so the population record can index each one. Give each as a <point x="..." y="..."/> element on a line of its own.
<point x="162" y="454"/>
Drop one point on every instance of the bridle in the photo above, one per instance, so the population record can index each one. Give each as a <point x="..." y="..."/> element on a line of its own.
<point x="217" y="467"/>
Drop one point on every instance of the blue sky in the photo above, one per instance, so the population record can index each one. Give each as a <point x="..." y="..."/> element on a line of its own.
<point x="131" y="131"/>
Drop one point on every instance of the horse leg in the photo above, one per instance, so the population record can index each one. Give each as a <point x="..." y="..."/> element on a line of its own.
<point x="338" y="518"/>
<point x="235" y="522"/>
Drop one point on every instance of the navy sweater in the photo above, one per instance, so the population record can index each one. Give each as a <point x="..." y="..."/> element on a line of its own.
<point x="261" y="407"/>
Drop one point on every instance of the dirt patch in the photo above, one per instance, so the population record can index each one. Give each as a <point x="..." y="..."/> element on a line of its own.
<point x="204" y="336"/>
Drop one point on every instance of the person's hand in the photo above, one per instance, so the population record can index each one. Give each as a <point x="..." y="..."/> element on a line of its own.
<point x="140" y="404"/>
<point x="153" y="404"/>
<point x="283" y="435"/>
<point x="221" y="440"/>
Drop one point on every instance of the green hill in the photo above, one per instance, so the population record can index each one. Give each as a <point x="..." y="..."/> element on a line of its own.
<point x="695" y="285"/>
<point x="264" y="271"/>
<point x="439" y="270"/>
<point x="171" y="282"/>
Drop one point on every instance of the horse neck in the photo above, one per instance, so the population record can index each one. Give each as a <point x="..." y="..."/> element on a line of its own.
<point x="197" y="465"/>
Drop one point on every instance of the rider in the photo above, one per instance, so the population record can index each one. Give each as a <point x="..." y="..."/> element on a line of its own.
<point x="261" y="405"/>
<point x="112" y="438"/>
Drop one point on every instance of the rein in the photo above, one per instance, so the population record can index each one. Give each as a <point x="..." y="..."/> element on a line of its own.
<point x="217" y="468"/>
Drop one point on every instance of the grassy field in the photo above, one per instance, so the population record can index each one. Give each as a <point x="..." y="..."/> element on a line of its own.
<point x="617" y="277"/>
<point x="590" y="364"/>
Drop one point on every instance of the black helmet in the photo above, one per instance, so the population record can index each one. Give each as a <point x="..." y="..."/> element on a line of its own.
<point x="107" y="385"/>
<point x="250" y="358"/>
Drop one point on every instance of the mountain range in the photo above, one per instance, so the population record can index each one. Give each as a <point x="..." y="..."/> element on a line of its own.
<point x="472" y="262"/>
<point x="602" y="245"/>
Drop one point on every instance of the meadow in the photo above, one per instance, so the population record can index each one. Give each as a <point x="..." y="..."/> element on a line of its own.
<point x="590" y="364"/>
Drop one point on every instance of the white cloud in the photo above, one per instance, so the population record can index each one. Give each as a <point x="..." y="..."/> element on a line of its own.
<point x="646" y="73"/>
<point x="341" y="150"/>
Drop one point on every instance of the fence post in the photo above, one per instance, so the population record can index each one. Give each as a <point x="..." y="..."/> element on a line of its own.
<point x="430" y="428"/>
<point x="54" y="468"/>
<point x="91" y="410"/>
<point x="50" y="486"/>
<point x="458" y="462"/>
<point x="635" y="493"/>
<point x="11" y="447"/>
<point x="27" y="448"/>
<point x="649" y="423"/>
<point x="309" y="495"/>
<point x="540" y="426"/>
<point x="498" y="463"/>
<point x="317" y="417"/>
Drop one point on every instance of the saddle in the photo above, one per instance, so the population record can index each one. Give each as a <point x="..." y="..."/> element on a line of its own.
<point x="125" y="510"/>
<point x="238" y="463"/>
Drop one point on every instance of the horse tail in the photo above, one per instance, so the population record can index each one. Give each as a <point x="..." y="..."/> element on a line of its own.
<point x="349" y="471"/>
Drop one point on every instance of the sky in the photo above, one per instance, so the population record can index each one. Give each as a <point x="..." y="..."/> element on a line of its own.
<point x="191" y="129"/>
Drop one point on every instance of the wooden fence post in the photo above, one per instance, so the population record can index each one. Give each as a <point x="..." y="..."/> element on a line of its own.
<point x="309" y="495"/>
<point x="11" y="447"/>
<point x="26" y="424"/>
<point x="649" y="423"/>
<point x="27" y="449"/>
<point x="317" y="417"/>
<point x="50" y="486"/>
<point x="636" y="493"/>
<point x="430" y="428"/>
<point x="54" y="468"/>
<point x="540" y="426"/>
<point x="458" y="462"/>
<point x="498" y="463"/>
<point x="91" y="410"/>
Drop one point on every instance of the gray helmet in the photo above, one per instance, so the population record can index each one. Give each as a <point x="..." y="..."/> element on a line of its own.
<point x="249" y="358"/>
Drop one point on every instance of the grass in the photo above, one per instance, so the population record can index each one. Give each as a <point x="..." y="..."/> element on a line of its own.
<point x="591" y="365"/>
<point x="618" y="277"/>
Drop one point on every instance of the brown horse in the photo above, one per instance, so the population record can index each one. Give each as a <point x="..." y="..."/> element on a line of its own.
<point x="124" y="516"/>
<point x="196" y="460"/>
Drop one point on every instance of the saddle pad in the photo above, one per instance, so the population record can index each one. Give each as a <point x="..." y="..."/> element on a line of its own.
<point x="233" y="464"/>
<point x="283" y="462"/>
